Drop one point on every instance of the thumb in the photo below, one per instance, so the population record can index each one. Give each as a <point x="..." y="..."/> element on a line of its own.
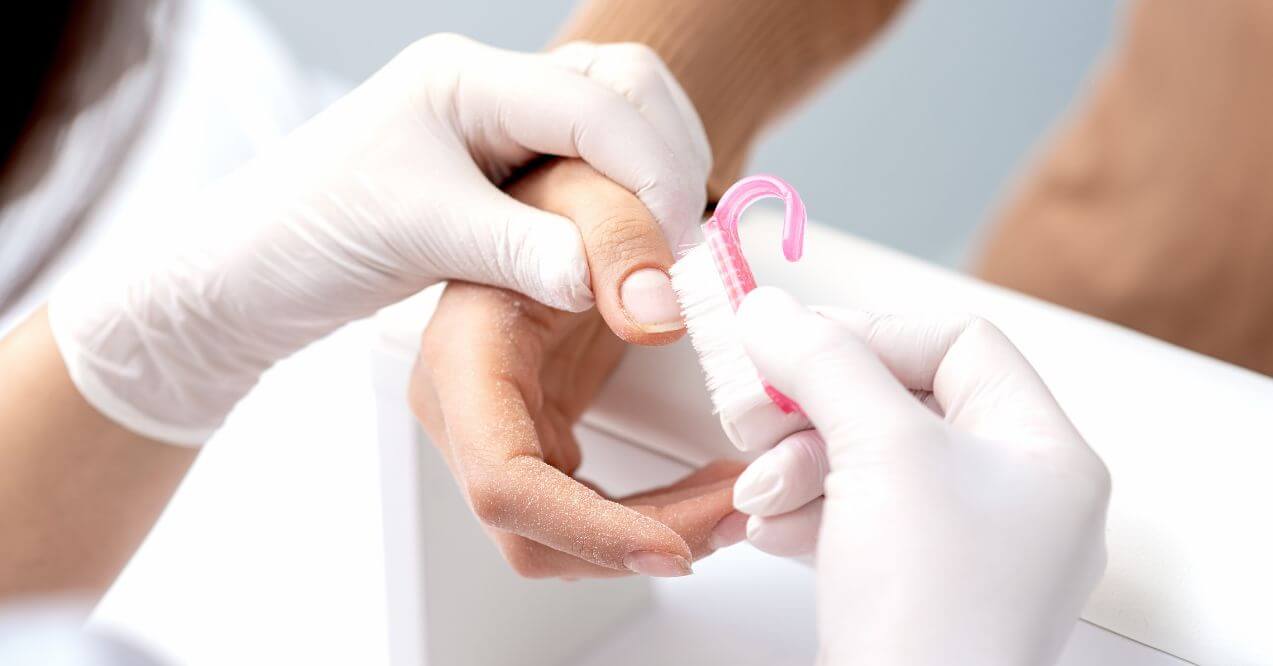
<point x="845" y="390"/>
<point x="524" y="249"/>
<point x="978" y="378"/>
<point x="627" y="254"/>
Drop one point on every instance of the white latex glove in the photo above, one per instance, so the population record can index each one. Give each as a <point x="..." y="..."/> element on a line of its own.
<point x="963" y="519"/>
<point x="390" y="190"/>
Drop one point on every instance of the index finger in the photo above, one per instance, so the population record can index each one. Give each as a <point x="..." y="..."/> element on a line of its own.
<point x="843" y="387"/>
<point x="695" y="507"/>
<point x="963" y="360"/>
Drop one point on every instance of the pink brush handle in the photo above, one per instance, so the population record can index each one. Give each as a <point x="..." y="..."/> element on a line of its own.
<point x="721" y="232"/>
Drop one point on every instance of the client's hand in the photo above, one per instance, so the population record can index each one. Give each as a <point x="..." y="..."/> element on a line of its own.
<point x="502" y="380"/>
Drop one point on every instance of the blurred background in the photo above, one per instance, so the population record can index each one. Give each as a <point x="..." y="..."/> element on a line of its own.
<point x="912" y="146"/>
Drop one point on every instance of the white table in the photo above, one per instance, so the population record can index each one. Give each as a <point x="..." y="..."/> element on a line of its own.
<point x="741" y="607"/>
<point x="1186" y="438"/>
<point x="272" y="551"/>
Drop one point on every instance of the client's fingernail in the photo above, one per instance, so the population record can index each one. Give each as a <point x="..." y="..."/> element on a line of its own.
<point x="730" y="530"/>
<point x="647" y="296"/>
<point x="756" y="489"/>
<point x="650" y="563"/>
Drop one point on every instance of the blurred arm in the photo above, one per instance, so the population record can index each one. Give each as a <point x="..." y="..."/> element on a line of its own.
<point x="742" y="62"/>
<point x="1151" y="206"/>
<point x="78" y="493"/>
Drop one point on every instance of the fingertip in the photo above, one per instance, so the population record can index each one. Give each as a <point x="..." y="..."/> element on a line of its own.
<point x="645" y="310"/>
<point x="562" y="266"/>
<point x="576" y="54"/>
<point x="673" y="545"/>
<point x="791" y="534"/>
<point x="656" y="535"/>
<point x="656" y="564"/>
<point x="761" y="427"/>
<point x="730" y="530"/>
<point x="624" y="329"/>
<point x="685" y="210"/>
<point x="784" y="478"/>
<point x="633" y="335"/>
<point x="539" y="254"/>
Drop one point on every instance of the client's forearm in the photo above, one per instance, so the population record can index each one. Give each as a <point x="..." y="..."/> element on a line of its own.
<point x="77" y="492"/>
<point x="742" y="62"/>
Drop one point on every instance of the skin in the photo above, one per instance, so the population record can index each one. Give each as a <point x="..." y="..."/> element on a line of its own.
<point x="78" y="493"/>
<point x="1151" y="206"/>
<point x="502" y="380"/>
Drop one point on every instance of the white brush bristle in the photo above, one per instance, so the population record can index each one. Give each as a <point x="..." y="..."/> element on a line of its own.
<point x="732" y="379"/>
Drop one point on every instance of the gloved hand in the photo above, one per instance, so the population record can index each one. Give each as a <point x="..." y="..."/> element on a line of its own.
<point x="390" y="190"/>
<point x="963" y="519"/>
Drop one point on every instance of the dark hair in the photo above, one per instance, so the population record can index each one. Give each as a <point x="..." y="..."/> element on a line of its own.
<point x="35" y="46"/>
<point x="74" y="55"/>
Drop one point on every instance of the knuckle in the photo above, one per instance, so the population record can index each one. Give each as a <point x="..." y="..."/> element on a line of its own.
<point x="429" y="45"/>
<point x="808" y="445"/>
<point x="638" y="75"/>
<point x="980" y="328"/>
<point x="638" y="53"/>
<point x="432" y="63"/>
<point x="522" y="557"/>
<point x="624" y="236"/>
<point x="1084" y="477"/>
<point x="879" y="326"/>
<point x="1094" y="479"/>
<point x="488" y="497"/>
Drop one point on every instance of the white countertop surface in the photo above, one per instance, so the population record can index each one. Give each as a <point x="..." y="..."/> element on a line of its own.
<point x="1186" y="438"/>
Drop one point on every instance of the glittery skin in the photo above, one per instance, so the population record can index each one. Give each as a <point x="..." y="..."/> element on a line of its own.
<point x="500" y="382"/>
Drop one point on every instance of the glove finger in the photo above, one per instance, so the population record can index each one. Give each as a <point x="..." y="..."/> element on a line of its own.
<point x="785" y="477"/>
<point x="585" y="119"/>
<point x="628" y="69"/>
<point x="521" y="248"/>
<point x="639" y="75"/>
<point x="971" y="368"/>
<point x="758" y="429"/>
<point x="842" y="387"/>
<point x="790" y="534"/>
